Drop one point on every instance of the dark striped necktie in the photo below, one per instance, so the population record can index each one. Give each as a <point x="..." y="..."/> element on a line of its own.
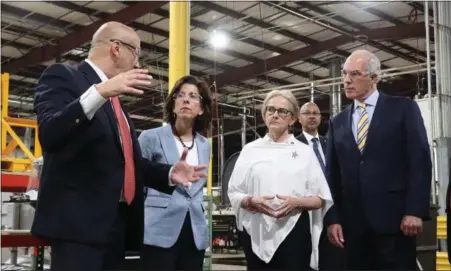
<point x="318" y="154"/>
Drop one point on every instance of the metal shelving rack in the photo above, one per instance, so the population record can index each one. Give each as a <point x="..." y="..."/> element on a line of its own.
<point x="208" y="260"/>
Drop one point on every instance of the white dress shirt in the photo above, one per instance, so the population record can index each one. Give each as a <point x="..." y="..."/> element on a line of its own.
<point x="193" y="157"/>
<point x="309" y="138"/>
<point x="267" y="168"/>
<point x="91" y="100"/>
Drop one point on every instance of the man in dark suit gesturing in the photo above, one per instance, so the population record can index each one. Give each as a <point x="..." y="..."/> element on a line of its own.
<point x="330" y="257"/>
<point x="90" y="201"/>
<point x="379" y="171"/>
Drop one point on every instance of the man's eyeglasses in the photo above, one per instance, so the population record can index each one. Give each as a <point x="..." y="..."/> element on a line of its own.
<point x="191" y="97"/>
<point x="135" y="51"/>
<point x="282" y="112"/>
<point x="353" y="74"/>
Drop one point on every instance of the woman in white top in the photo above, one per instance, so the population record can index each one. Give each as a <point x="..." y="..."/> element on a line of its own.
<point x="279" y="194"/>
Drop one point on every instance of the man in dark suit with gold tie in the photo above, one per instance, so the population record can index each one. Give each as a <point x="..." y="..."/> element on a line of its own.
<point x="379" y="171"/>
<point x="330" y="257"/>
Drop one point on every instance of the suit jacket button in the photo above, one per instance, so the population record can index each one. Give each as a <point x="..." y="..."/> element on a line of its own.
<point x="77" y="121"/>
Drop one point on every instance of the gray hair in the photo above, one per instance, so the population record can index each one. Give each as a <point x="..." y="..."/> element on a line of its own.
<point x="287" y="95"/>
<point x="374" y="64"/>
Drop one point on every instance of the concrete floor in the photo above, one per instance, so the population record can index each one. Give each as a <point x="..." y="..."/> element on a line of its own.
<point x="220" y="260"/>
<point x="25" y="260"/>
<point x="235" y="261"/>
<point x="227" y="267"/>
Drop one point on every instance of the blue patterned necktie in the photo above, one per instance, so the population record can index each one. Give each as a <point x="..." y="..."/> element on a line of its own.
<point x="318" y="154"/>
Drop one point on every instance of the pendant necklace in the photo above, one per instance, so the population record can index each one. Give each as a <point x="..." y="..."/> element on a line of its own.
<point x="181" y="141"/>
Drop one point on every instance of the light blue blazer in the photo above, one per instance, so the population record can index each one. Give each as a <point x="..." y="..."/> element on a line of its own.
<point x="164" y="214"/>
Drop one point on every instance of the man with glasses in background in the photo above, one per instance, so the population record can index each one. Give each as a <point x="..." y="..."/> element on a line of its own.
<point x="330" y="257"/>
<point x="379" y="170"/>
<point x="90" y="201"/>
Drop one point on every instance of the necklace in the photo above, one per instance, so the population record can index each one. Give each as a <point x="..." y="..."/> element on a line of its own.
<point x="181" y="141"/>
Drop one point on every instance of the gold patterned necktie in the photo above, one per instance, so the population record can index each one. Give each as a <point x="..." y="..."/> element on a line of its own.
<point x="362" y="127"/>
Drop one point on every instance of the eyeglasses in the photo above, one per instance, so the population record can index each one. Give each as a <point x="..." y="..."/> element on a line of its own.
<point x="353" y="74"/>
<point x="193" y="97"/>
<point x="135" y="51"/>
<point x="282" y="112"/>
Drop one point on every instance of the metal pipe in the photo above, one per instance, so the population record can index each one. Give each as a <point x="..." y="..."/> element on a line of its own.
<point x="243" y="123"/>
<point x="431" y="106"/>
<point x="437" y="69"/>
<point x="17" y="207"/>
<point x="312" y="20"/>
<point x="385" y="74"/>
<point x="328" y="84"/>
<point x="235" y="106"/>
<point x="312" y="92"/>
<point x="239" y="130"/>
<point x="221" y="159"/>
<point x="335" y="89"/>
<point x="446" y="21"/>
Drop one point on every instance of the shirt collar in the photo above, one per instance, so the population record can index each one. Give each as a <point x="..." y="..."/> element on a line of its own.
<point x="289" y="140"/>
<point x="370" y="101"/>
<point x="309" y="137"/>
<point x="98" y="71"/>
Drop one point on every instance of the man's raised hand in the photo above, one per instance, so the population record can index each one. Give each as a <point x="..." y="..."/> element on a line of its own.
<point x="183" y="174"/>
<point x="125" y="83"/>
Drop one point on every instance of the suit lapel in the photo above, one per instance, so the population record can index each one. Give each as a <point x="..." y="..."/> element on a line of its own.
<point x="375" y="121"/>
<point x="93" y="78"/>
<point x="349" y="136"/>
<point x="203" y="155"/>
<point x="302" y="138"/>
<point x="108" y="109"/>
<point x="168" y="145"/>
<point x="89" y="73"/>
<point x="323" y="142"/>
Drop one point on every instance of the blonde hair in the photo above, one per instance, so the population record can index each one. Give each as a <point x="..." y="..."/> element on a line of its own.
<point x="287" y="95"/>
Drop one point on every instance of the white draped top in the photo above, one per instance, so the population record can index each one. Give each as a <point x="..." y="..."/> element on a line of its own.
<point x="267" y="168"/>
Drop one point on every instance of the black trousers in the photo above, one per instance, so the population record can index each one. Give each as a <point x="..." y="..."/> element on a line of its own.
<point x="375" y="251"/>
<point x="183" y="255"/>
<point x="330" y="256"/>
<point x="70" y="256"/>
<point x="293" y="254"/>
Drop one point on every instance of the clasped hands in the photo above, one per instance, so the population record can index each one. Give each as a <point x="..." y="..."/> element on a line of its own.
<point x="290" y="205"/>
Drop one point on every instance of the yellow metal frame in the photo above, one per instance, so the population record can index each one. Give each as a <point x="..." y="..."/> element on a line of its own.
<point x="10" y="163"/>
<point x="442" y="262"/>
<point x="179" y="52"/>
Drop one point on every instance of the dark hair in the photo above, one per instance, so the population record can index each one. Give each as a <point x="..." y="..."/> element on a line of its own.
<point x="203" y="121"/>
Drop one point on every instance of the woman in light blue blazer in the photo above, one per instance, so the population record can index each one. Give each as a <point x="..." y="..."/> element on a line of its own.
<point x="175" y="229"/>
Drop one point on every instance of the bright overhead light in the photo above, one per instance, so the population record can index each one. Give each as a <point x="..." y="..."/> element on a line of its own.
<point x="218" y="39"/>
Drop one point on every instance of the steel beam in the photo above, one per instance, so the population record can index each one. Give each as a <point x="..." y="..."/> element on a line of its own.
<point x="264" y="66"/>
<point x="79" y="37"/>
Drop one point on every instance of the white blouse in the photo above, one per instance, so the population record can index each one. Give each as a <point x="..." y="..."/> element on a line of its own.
<point x="268" y="168"/>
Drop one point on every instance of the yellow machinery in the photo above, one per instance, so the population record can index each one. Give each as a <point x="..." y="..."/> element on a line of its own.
<point x="442" y="257"/>
<point x="15" y="170"/>
<point x="11" y="140"/>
